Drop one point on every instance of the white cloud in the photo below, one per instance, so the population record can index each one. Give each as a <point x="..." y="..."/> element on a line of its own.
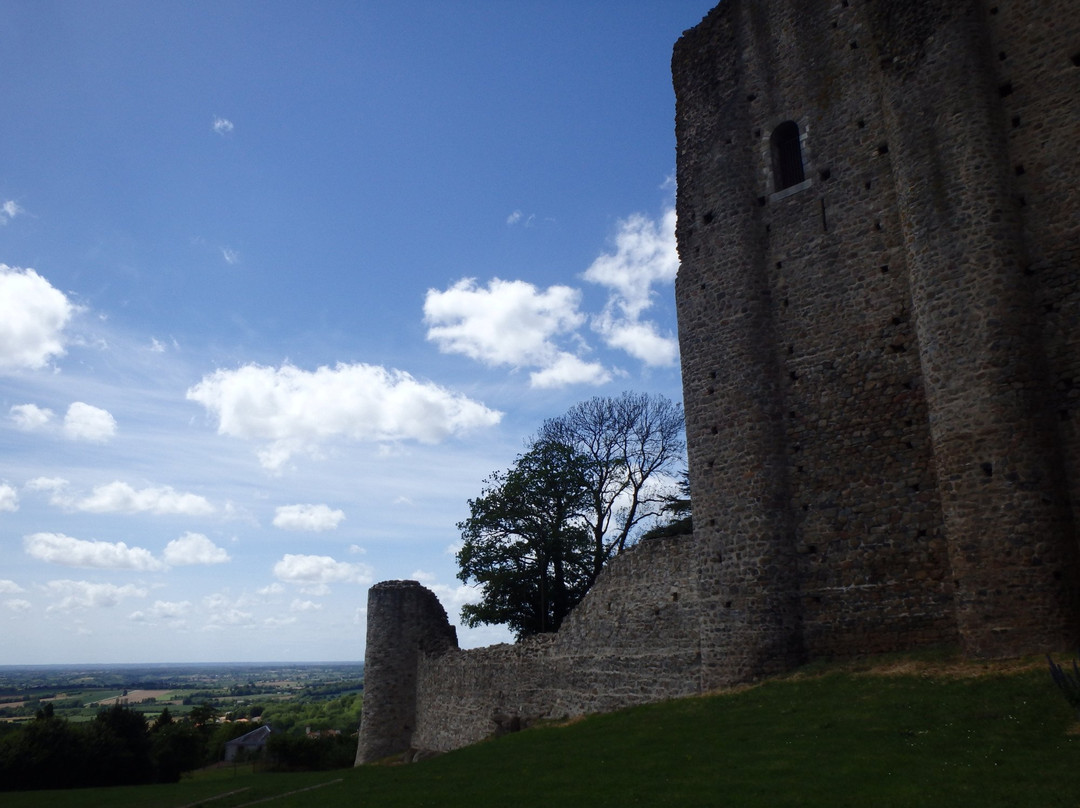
<point x="568" y="369"/>
<point x="46" y="484"/>
<point x="85" y="595"/>
<point x="304" y="606"/>
<point x="517" y="217"/>
<point x="9" y="587"/>
<point x="512" y="323"/>
<point x="507" y="323"/>
<point x="313" y="518"/>
<point x="645" y="254"/>
<point x="318" y="571"/>
<point x="222" y="125"/>
<point x="9" y="210"/>
<point x="230" y="255"/>
<point x="451" y="597"/>
<point x="57" y="488"/>
<point x="226" y="611"/>
<point x="81" y="422"/>
<point x="639" y="339"/>
<point x="163" y="610"/>
<point x="9" y="499"/>
<point x="231" y="617"/>
<point x="515" y="324"/>
<point x="56" y="548"/>
<point x="86" y="422"/>
<point x="29" y="417"/>
<point x="17" y="605"/>
<point x="33" y="315"/>
<point x="121" y="497"/>
<point x="194" y="548"/>
<point x="272" y="589"/>
<point x="294" y="410"/>
<point x="170" y="610"/>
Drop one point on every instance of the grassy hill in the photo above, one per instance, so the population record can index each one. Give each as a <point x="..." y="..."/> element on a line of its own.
<point x="899" y="732"/>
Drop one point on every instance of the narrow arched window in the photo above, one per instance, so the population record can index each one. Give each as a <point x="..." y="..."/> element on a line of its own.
<point x="787" y="155"/>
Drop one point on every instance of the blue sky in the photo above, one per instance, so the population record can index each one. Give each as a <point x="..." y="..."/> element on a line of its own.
<point x="281" y="283"/>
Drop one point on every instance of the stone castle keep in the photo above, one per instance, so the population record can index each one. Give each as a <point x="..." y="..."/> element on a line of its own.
<point x="879" y="319"/>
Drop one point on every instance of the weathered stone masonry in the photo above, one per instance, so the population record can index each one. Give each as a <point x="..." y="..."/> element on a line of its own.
<point x="879" y="320"/>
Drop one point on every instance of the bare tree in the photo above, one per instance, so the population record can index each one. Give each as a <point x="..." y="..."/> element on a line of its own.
<point x="635" y="445"/>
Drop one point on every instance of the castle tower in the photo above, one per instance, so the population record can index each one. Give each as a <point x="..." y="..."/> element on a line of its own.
<point x="1000" y="469"/>
<point x="881" y="454"/>
<point x="404" y="621"/>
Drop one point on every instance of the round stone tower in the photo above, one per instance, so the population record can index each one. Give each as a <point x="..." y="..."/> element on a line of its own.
<point x="404" y="621"/>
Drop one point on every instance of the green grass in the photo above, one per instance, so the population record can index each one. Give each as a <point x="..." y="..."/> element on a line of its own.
<point x="838" y="738"/>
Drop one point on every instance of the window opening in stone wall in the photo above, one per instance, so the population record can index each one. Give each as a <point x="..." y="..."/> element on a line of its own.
<point x="787" y="155"/>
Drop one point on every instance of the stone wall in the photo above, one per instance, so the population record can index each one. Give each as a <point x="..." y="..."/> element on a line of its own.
<point x="881" y="367"/>
<point x="633" y="639"/>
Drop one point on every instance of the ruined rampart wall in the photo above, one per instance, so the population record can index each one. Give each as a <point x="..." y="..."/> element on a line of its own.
<point x="633" y="639"/>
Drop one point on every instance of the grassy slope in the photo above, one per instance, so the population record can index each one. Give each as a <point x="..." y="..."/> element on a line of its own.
<point x="842" y="738"/>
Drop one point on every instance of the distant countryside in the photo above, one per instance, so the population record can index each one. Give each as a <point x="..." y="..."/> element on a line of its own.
<point x="151" y="723"/>
<point x="320" y="696"/>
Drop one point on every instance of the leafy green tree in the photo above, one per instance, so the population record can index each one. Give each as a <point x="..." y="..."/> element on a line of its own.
<point x="633" y="445"/>
<point x="164" y="718"/>
<point x="300" y="753"/>
<point x="678" y="513"/>
<point x="204" y="714"/>
<point x="120" y="747"/>
<point x="46" y="753"/>
<point x="525" y="541"/>
<point x="46" y="712"/>
<point x="178" y="747"/>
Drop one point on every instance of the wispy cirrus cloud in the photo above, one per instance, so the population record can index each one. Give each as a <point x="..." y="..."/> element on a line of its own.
<point x="33" y="316"/>
<point x="291" y="410"/>
<point x="221" y="126"/>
